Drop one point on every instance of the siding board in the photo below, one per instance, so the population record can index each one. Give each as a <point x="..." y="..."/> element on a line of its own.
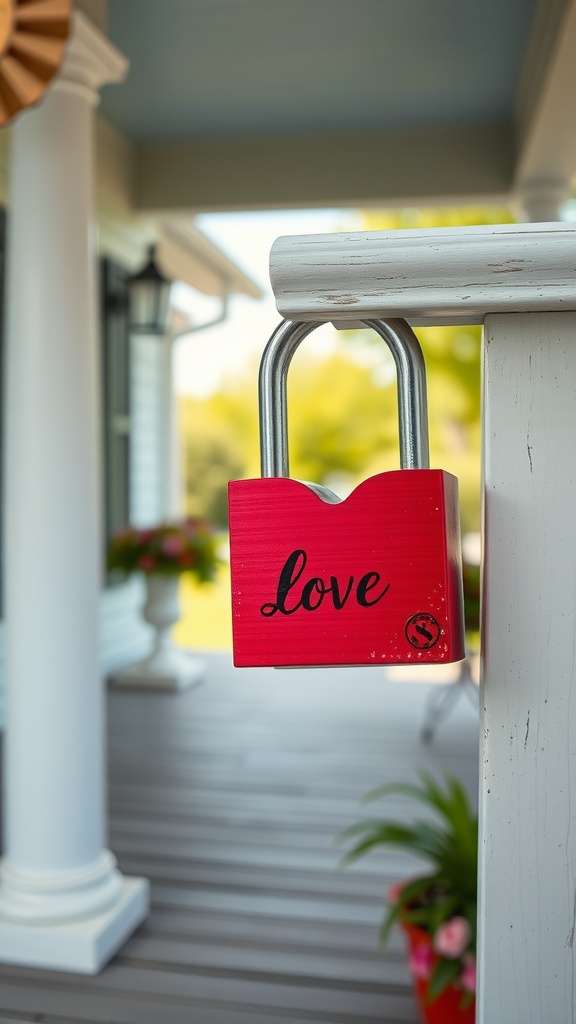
<point x="125" y="637"/>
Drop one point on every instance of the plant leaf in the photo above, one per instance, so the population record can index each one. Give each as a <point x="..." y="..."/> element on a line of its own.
<point x="467" y="999"/>
<point x="390" y="919"/>
<point x="444" y="974"/>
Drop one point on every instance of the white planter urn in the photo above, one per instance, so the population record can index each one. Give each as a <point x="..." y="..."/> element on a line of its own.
<point x="167" y="667"/>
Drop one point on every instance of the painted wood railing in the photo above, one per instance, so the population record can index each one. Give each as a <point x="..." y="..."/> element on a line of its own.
<point x="520" y="282"/>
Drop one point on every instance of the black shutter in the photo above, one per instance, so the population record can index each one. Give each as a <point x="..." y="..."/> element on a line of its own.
<point x="2" y="386"/>
<point x="116" y="396"/>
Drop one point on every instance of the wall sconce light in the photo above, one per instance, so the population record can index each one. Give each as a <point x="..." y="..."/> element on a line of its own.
<point x="149" y="298"/>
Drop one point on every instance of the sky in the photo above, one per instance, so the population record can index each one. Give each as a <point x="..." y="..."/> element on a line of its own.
<point x="203" y="359"/>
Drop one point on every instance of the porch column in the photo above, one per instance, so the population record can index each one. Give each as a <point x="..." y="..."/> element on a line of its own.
<point x="63" y="903"/>
<point x="527" y="911"/>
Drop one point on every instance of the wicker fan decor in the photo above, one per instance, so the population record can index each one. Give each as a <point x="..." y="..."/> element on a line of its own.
<point x="33" y="35"/>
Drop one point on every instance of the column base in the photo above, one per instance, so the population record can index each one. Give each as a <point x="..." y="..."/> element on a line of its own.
<point x="83" y="947"/>
<point x="167" y="669"/>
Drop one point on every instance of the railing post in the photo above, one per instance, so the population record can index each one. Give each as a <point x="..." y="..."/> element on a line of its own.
<point x="528" y="734"/>
<point x="519" y="281"/>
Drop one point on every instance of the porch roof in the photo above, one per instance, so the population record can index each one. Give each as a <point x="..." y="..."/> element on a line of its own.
<point x="239" y="105"/>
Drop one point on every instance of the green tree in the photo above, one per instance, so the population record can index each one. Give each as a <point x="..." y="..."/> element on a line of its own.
<point x="343" y="423"/>
<point x="212" y="456"/>
<point x="340" y="417"/>
<point x="343" y="410"/>
<point x="453" y="361"/>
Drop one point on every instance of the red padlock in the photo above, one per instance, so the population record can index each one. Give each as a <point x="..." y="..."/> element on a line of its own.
<point x="375" y="579"/>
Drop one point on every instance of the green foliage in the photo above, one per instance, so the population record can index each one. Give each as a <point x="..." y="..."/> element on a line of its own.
<point x="434" y="217"/>
<point x="449" y="843"/>
<point x="471" y="579"/>
<point x="343" y="421"/>
<point x="339" y="418"/>
<point x="342" y="409"/>
<point x="168" y="549"/>
<point x="212" y="458"/>
<point x="452" y="356"/>
<point x="219" y="435"/>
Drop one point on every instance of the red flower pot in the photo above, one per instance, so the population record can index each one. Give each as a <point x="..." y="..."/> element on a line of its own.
<point x="446" y="1008"/>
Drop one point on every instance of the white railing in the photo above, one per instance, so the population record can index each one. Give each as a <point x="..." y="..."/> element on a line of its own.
<point x="520" y="281"/>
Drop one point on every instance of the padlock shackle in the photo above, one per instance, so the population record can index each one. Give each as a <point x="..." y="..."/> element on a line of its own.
<point x="411" y="378"/>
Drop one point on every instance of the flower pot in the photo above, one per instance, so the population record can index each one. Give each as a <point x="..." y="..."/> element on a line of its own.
<point x="167" y="667"/>
<point x="162" y="605"/>
<point x="446" y="1008"/>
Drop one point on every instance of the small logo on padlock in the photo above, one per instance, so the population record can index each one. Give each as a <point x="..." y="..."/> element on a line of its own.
<point x="423" y="631"/>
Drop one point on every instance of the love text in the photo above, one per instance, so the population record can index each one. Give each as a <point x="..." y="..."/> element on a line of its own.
<point x="291" y="595"/>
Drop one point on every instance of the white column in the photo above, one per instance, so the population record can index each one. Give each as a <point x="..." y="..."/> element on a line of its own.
<point x="63" y="903"/>
<point x="528" y="837"/>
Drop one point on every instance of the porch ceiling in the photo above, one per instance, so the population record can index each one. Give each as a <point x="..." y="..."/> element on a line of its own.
<point x="230" y="69"/>
<point x="247" y="103"/>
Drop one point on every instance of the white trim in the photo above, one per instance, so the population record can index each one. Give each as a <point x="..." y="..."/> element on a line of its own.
<point x="432" y="276"/>
<point x="90" y="60"/>
<point x="183" y="252"/>
<point x="528" y="766"/>
<point x="539" y="57"/>
<point x="80" y="946"/>
<point x="186" y="254"/>
<point x="546" y="141"/>
<point x="399" y="167"/>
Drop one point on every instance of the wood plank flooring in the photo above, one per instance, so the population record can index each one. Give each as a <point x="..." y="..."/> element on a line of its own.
<point x="229" y="798"/>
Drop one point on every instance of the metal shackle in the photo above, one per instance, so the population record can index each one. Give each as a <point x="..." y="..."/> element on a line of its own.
<point x="411" y="384"/>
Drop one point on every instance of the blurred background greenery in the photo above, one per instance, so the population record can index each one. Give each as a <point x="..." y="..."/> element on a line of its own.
<point x="343" y="423"/>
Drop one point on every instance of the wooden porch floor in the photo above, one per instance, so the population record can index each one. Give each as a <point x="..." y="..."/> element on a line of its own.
<point x="228" y="798"/>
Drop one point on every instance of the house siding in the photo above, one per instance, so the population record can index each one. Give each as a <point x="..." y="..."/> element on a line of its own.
<point x="124" y="636"/>
<point x="147" y="415"/>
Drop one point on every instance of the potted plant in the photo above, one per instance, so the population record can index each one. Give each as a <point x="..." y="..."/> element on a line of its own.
<point x="162" y="553"/>
<point x="437" y="909"/>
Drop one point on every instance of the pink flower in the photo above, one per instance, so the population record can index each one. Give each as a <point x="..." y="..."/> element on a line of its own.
<point x="452" y="937"/>
<point x="193" y="523"/>
<point x="146" y="563"/>
<point x="468" y="976"/>
<point x="421" y="961"/>
<point x="172" y="545"/>
<point x="394" y="892"/>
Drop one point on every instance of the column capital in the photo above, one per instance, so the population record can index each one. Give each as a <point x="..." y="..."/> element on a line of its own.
<point x="90" y="62"/>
